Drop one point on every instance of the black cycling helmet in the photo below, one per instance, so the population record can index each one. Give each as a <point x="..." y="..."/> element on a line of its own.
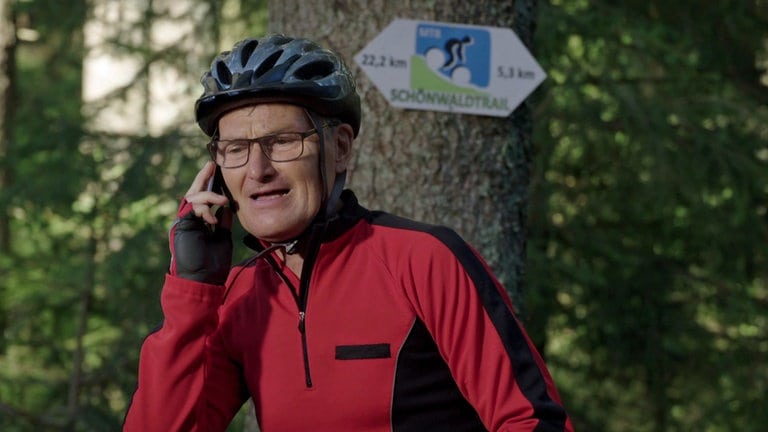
<point x="278" y="68"/>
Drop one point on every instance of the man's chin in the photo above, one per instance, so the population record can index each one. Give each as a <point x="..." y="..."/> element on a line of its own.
<point x="275" y="236"/>
<point x="273" y="227"/>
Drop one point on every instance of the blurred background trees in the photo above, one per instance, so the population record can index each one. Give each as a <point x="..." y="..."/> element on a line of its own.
<point x="645" y="279"/>
<point x="649" y="218"/>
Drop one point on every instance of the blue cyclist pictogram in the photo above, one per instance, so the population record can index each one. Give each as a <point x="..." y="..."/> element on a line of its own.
<point x="456" y="49"/>
<point x="459" y="55"/>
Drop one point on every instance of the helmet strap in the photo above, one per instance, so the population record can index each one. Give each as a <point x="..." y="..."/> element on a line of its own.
<point x="330" y="197"/>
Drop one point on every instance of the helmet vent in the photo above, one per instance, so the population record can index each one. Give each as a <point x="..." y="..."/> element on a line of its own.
<point x="222" y="73"/>
<point x="315" y="70"/>
<point x="281" y="40"/>
<point x="247" y="51"/>
<point x="267" y="64"/>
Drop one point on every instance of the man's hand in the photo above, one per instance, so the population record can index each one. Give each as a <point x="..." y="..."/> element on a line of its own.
<point x="201" y="241"/>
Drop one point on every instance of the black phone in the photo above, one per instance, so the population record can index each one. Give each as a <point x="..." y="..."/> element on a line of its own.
<point x="216" y="184"/>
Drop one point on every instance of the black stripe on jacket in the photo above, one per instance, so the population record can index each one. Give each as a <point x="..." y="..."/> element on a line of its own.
<point x="529" y="377"/>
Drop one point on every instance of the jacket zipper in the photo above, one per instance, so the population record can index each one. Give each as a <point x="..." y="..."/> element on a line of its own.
<point x="300" y="300"/>
<point x="305" y="351"/>
<point x="313" y="247"/>
<point x="303" y="294"/>
<point x="301" y="304"/>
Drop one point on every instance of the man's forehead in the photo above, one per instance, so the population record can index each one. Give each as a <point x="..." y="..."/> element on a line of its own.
<point x="265" y="116"/>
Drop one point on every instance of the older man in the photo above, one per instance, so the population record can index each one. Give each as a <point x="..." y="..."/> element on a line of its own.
<point x="344" y="319"/>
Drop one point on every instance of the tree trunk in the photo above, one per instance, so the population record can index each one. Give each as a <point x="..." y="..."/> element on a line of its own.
<point x="7" y="65"/>
<point x="467" y="172"/>
<point x="78" y="356"/>
<point x="7" y="54"/>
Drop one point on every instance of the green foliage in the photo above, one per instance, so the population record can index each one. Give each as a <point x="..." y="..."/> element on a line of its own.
<point x="648" y="221"/>
<point x="89" y="213"/>
<point x="647" y="280"/>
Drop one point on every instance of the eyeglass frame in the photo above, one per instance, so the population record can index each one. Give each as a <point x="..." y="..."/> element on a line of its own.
<point x="213" y="144"/>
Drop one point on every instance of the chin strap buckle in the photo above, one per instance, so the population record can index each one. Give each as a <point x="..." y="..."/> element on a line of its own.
<point x="289" y="246"/>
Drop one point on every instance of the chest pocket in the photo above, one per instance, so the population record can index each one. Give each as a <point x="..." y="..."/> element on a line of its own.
<point x="363" y="352"/>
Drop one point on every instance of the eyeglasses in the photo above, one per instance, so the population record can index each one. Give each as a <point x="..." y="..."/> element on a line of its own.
<point x="281" y="147"/>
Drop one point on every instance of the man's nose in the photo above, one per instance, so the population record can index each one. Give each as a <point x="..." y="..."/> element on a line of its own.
<point x="259" y="165"/>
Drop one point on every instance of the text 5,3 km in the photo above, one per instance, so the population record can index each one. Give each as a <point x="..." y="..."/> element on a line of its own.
<point x="383" y="61"/>
<point x="512" y="72"/>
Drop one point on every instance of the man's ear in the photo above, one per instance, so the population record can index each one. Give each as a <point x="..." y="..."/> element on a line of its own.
<point x="344" y="138"/>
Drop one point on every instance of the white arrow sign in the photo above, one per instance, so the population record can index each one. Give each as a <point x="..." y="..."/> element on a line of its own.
<point x="451" y="67"/>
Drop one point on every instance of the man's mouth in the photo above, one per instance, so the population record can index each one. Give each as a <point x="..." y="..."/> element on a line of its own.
<point x="269" y="195"/>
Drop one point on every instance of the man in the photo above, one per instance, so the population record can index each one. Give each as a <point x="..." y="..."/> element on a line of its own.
<point x="344" y="319"/>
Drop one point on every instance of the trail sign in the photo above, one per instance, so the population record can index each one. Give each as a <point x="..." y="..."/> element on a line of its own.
<point x="451" y="67"/>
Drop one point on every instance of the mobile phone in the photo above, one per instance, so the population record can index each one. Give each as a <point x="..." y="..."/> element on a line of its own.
<point x="216" y="184"/>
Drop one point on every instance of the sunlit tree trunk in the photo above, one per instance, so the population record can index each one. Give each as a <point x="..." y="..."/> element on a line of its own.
<point x="468" y="172"/>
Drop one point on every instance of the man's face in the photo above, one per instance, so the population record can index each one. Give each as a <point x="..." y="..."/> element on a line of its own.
<point x="277" y="200"/>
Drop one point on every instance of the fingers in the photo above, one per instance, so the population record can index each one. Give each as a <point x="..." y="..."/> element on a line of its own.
<point x="202" y="199"/>
<point x="201" y="179"/>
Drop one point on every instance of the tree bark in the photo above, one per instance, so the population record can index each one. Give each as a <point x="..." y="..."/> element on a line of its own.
<point x="467" y="172"/>
<point x="7" y="66"/>
<point x="7" y="61"/>
<point x="464" y="171"/>
<point x="78" y="356"/>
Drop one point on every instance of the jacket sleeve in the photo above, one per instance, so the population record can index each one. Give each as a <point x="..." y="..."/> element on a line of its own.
<point x="492" y="360"/>
<point x="185" y="381"/>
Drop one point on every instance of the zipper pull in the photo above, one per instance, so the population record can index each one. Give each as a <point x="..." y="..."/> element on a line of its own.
<point x="301" y="322"/>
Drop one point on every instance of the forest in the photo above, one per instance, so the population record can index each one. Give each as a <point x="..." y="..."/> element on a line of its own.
<point x="644" y="276"/>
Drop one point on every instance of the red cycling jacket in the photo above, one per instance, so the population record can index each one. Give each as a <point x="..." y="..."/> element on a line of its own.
<point x="401" y="327"/>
